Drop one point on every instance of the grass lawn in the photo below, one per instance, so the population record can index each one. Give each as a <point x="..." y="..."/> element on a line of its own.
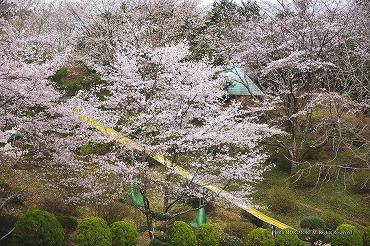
<point x="354" y="208"/>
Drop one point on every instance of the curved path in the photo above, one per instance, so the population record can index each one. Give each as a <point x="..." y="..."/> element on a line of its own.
<point x="181" y="171"/>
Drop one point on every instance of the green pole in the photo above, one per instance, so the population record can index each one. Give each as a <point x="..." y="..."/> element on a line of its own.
<point x="136" y="198"/>
<point x="201" y="217"/>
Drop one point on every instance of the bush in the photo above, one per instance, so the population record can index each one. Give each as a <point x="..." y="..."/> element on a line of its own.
<point x="331" y="221"/>
<point x="281" y="200"/>
<point x="259" y="237"/>
<point x="311" y="222"/>
<point x="7" y="222"/>
<point x="38" y="228"/>
<point x="123" y="234"/>
<point x="181" y="234"/>
<point x="346" y="235"/>
<point x="93" y="231"/>
<point x="287" y="237"/>
<point x="208" y="236"/>
<point x="112" y="212"/>
<point x="311" y="234"/>
<point x="366" y="236"/>
<point x="229" y="240"/>
<point x="239" y="229"/>
<point x="59" y="207"/>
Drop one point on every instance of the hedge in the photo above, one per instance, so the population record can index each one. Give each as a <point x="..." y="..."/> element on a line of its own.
<point x="287" y="237"/>
<point x="38" y="228"/>
<point x="346" y="235"/>
<point x="93" y="231"/>
<point x="259" y="237"/>
<point x="123" y="234"/>
<point x="181" y="234"/>
<point x="207" y="235"/>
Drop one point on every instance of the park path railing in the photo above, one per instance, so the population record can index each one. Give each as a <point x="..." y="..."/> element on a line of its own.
<point x="181" y="171"/>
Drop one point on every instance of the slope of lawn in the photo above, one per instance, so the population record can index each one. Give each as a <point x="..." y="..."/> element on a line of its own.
<point x="326" y="197"/>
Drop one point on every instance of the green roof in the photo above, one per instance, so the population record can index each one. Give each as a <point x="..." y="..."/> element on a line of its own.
<point x="239" y="84"/>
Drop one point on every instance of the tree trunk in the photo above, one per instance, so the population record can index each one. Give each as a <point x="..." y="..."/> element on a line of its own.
<point x="149" y="223"/>
<point x="149" y="217"/>
<point x="166" y="193"/>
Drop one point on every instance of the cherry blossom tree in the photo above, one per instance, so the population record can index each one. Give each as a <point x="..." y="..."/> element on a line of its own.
<point x="27" y="61"/>
<point x="175" y="107"/>
<point x="27" y="100"/>
<point x="162" y="89"/>
<point x="156" y="23"/>
<point x="298" y="53"/>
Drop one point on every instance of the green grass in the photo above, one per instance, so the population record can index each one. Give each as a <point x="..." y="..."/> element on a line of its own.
<point x="98" y="148"/>
<point x="71" y="86"/>
<point x="354" y="208"/>
<point x="32" y="111"/>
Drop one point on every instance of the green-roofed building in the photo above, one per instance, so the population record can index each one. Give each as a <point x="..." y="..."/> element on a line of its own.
<point x="238" y="83"/>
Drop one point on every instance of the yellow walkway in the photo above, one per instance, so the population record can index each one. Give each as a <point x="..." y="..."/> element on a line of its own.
<point x="179" y="170"/>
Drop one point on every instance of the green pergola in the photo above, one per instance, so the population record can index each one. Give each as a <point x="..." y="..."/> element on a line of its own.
<point x="238" y="83"/>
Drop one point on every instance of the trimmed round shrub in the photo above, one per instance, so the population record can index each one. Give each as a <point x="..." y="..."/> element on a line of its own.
<point x="93" y="231"/>
<point x="311" y="222"/>
<point x="366" y="236"/>
<point x="239" y="229"/>
<point x="281" y="200"/>
<point x="287" y="237"/>
<point x="207" y="235"/>
<point x="229" y="240"/>
<point x="181" y="234"/>
<point x="38" y="228"/>
<point x="331" y="221"/>
<point x="346" y="235"/>
<point x="259" y="237"/>
<point x="123" y="234"/>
